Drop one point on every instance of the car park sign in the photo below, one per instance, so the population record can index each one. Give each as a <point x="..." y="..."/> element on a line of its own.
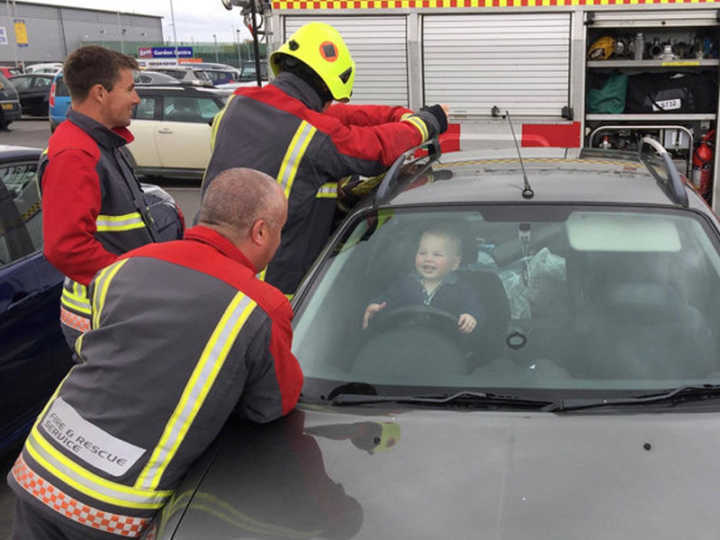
<point x="165" y="52"/>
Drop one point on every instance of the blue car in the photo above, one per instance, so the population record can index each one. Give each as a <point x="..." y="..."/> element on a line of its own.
<point x="34" y="356"/>
<point x="59" y="101"/>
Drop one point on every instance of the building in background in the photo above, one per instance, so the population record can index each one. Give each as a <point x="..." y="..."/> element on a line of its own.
<point x="55" y="31"/>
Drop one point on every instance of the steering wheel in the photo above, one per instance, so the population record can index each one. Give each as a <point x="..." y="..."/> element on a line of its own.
<point x="416" y="316"/>
<point x="412" y="343"/>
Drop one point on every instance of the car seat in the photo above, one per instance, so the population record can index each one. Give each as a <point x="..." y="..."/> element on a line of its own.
<point x="642" y="330"/>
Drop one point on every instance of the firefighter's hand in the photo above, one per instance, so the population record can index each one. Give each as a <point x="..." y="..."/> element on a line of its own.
<point x="446" y="108"/>
<point x="466" y="323"/>
<point x="370" y="311"/>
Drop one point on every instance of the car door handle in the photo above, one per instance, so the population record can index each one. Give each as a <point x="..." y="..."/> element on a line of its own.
<point x="165" y="131"/>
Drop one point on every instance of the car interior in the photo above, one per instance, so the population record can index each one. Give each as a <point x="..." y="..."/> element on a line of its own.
<point x="567" y="304"/>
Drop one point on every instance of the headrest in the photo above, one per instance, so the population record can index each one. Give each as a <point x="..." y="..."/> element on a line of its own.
<point x="643" y="302"/>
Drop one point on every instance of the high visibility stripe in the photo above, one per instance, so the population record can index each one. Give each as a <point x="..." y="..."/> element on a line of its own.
<point x="125" y="222"/>
<point x="76" y="303"/>
<point x="289" y="296"/>
<point x="294" y="155"/>
<point x="303" y="5"/>
<point x="71" y="508"/>
<point x="261" y="275"/>
<point x="102" y="282"/>
<point x="72" y="320"/>
<point x="197" y="388"/>
<point x="216" y="122"/>
<point x="327" y="191"/>
<point x="420" y="125"/>
<point x="87" y="482"/>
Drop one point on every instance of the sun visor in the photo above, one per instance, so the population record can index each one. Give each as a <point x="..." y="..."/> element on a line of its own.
<point x="606" y="231"/>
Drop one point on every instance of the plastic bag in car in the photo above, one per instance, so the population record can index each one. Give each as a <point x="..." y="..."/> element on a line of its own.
<point x="538" y="292"/>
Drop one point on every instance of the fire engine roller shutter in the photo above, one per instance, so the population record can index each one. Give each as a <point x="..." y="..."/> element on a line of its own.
<point x="518" y="62"/>
<point x="379" y="47"/>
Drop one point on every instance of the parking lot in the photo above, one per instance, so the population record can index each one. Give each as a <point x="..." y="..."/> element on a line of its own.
<point x="35" y="133"/>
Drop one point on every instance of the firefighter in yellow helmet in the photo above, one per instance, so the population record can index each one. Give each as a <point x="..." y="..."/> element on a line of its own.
<point x="300" y="130"/>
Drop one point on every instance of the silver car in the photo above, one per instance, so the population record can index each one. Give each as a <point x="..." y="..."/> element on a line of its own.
<point x="583" y="404"/>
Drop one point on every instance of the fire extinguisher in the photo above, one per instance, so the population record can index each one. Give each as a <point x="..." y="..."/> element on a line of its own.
<point x="702" y="164"/>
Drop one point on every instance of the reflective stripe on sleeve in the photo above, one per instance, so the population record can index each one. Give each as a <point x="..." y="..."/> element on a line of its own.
<point x="419" y="124"/>
<point x="102" y="282"/>
<point x="294" y="155"/>
<point x="327" y="191"/>
<point x="77" y="303"/>
<point x="197" y="388"/>
<point x="126" y="222"/>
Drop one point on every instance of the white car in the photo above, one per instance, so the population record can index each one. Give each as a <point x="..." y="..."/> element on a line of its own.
<point x="171" y="125"/>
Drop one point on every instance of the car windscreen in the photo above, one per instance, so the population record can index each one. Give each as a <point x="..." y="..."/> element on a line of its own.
<point x="557" y="297"/>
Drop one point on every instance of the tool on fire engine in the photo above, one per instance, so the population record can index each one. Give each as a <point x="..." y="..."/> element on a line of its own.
<point x="602" y="49"/>
<point x="702" y="163"/>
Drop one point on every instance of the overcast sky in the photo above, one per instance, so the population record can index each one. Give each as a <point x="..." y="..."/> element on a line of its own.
<point x="196" y="20"/>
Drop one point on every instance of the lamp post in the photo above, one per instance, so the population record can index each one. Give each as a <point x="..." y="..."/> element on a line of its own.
<point x="216" y="48"/>
<point x="240" y="63"/>
<point x="172" y="17"/>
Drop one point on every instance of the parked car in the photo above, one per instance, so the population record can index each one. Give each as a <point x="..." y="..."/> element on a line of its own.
<point x="585" y="404"/>
<point x="171" y="125"/>
<point x="187" y="74"/>
<point x="145" y="77"/>
<point x="10" y="108"/>
<point x="59" y="101"/>
<point x="34" y="355"/>
<point x="34" y="92"/>
<point x="221" y="76"/>
<point x="50" y="67"/>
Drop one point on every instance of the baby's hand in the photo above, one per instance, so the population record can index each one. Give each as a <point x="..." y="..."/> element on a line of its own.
<point x="370" y="311"/>
<point x="466" y="323"/>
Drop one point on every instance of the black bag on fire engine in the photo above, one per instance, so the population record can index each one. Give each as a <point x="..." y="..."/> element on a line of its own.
<point x="671" y="93"/>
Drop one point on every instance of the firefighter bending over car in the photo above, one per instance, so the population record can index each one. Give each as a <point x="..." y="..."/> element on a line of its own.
<point x="93" y="207"/>
<point x="183" y="334"/>
<point x="291" y="130"/>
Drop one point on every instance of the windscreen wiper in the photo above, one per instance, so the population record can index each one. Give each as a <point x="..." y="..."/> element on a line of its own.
<point x="676" y="395"/>
<point x="469" y="399"/>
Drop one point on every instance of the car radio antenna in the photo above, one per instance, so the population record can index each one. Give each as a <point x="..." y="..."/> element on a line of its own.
<point x="527" y="191"/>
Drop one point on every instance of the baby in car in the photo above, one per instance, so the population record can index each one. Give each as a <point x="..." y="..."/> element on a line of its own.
<point x="434" y="283"/>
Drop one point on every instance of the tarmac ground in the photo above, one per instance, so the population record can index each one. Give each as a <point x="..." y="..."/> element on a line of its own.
<point x="35" y="133"/>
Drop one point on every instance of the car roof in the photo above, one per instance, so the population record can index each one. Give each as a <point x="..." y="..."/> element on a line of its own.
<point x="180" y="88"/>
<point x="592" y="180"/>
<point x="10" y="152"/>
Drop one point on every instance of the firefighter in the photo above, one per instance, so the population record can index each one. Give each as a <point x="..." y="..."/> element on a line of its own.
<point x="291" y="130"/>
<point x="93" y="207"/>
<point x="183" y="334"/>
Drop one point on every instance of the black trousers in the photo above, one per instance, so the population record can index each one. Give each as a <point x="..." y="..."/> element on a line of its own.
<point x="31" y="524"/>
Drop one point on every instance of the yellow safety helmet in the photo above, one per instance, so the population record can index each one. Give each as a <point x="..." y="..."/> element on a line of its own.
<point x="321" y="48"/>
<point x="602" y="49"/>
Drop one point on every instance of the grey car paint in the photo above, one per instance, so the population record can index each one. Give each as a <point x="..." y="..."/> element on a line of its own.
<point x="461" y="474"/>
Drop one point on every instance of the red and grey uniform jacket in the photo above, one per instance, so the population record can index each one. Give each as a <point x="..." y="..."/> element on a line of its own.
<point x="91" y="204"/>
<point x="183" y="335"/>
<point x="280" y="130"/>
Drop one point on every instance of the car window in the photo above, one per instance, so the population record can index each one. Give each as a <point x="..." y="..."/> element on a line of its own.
<point x="189" y="109"/>
<point x="178" y="74"/>
<point x="20" y="214"/>
<point x="61" y="88"/>
<point x="145" y="110"/>
<point x="582" y="298"/>
<point x="21" y="83"/>
<point x="42" y="82"/>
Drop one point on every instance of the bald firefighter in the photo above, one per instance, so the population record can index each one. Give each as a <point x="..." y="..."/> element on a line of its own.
<point x="183" y="334"/>
<point x="291" y="130"/>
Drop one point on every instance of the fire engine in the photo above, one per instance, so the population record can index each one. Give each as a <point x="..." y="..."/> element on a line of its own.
<point x="573" y="73"/>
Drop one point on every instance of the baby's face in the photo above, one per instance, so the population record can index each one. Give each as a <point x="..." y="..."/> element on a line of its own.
<point x="436" y="257"/>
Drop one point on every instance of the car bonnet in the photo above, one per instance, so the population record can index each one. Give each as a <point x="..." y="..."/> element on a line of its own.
<point x="378" y="473"/>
